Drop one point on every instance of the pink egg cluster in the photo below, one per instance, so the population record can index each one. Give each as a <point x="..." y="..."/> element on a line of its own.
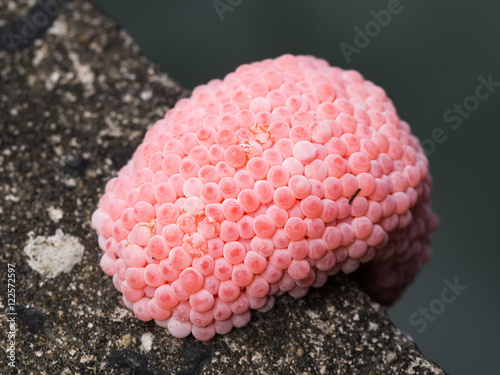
<point x="266" y="182"/>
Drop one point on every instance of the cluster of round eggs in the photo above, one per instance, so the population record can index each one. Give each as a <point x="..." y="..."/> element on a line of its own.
<point x="268" y="181"/>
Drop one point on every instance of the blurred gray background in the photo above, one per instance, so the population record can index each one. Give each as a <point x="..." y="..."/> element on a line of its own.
<point x="428" y="57"/>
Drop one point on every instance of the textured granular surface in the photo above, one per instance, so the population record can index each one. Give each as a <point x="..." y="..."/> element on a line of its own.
<point x="74" y="107"/>
<point x="285" y="172"/>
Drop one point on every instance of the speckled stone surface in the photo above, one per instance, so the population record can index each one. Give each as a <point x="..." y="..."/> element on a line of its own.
<point x="73" y="107"/>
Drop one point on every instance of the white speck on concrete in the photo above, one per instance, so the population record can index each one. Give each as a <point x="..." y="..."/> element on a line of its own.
<point x="12" y="198"/>
<point x="312" y="315"/>
<point x="391" y="357"/>
<point x="146" y="95"/>
<point x="40" y="54"/>
<point x="84" y="74"/>
<point x="52" y="255"/>
<point x="71" y="182"/>
<point x="55" y="214"/>
<point x="52" y="80"/>
<point x="58" y="28"/>
<point x="119" y="314"/>
<point x="147" y="341"/>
